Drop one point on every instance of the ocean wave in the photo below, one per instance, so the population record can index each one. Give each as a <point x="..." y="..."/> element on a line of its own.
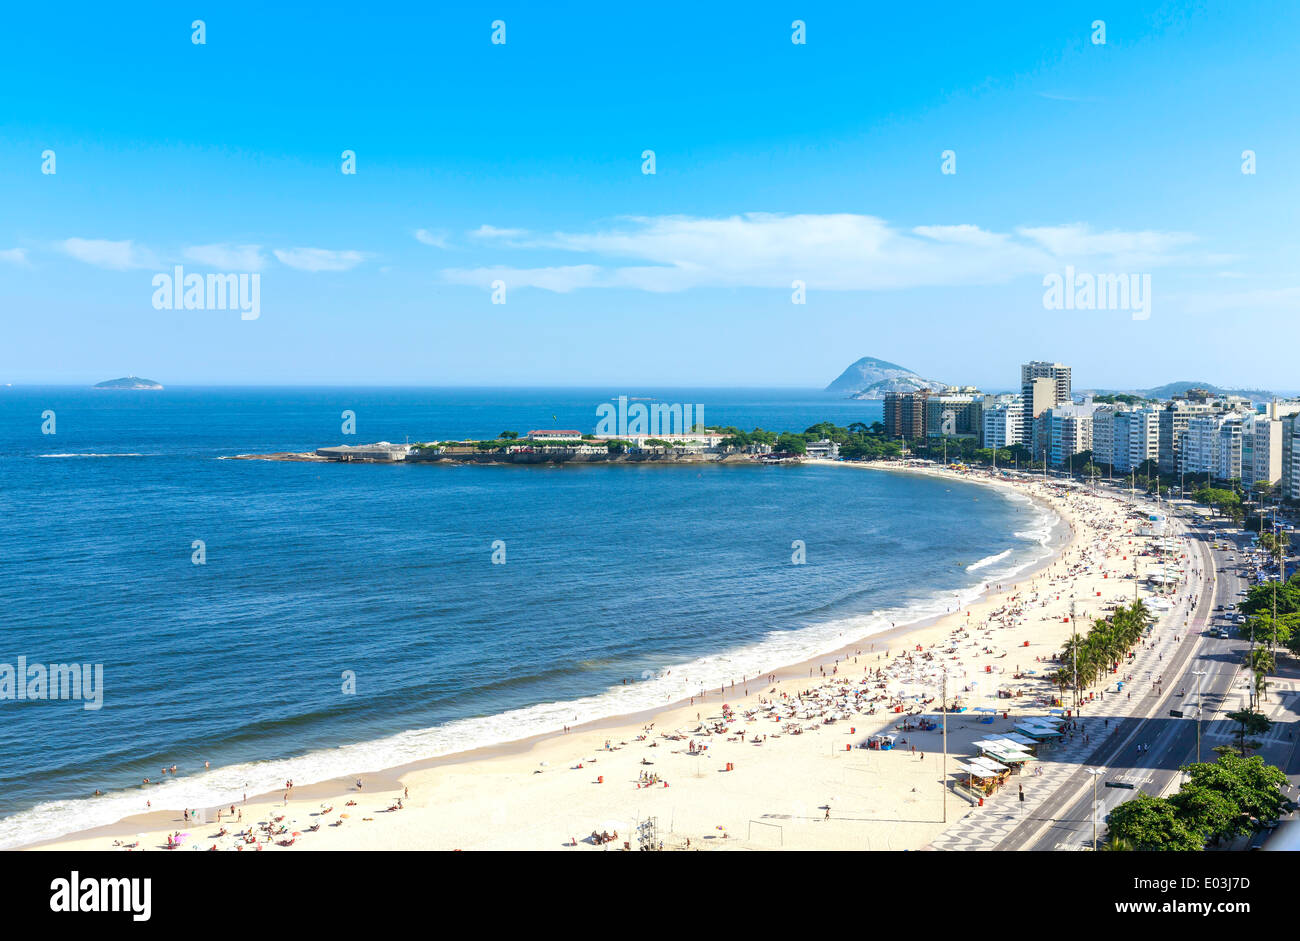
<point x="88" y="454"/>
<point x="989" y="560"/>
<point x="673" y="683"/>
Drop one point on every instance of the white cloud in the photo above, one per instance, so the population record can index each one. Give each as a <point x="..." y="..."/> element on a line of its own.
<point x="492" y="232"/>
<point x="839" y="251"/>
<point x="319" y="259"/>
<point x="14" y="256"/>
<point x="118" y="256"/>
<point x="561" y="280"/>
<point x="227" y="257"/>
<point x="1078" y="241"/>
<point x="436" y="239"/>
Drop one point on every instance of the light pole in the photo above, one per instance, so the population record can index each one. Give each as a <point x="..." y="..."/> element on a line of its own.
<point x="1096" y="773"/>
<point x="1199" y="674"/>
<point x="944" y="702"/>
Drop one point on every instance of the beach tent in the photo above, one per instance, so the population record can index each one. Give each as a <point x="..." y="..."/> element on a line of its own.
<point x="1009" y="756"/>
<point x="1037" y="731"/>
<point x="1019" y="739"/>
<point x="990" y="767"/>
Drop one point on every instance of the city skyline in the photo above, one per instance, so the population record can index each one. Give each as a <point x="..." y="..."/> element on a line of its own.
<point x="822" y="163"/>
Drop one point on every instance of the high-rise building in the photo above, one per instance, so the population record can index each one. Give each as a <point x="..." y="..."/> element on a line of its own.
<point x="952" y="414"/>
<point x="1287" y="414"/>
<point x="905" y="414"/>
<point x="1173" y="427"/>
<point x="1261" y="450"/>
<point x="1043" y="385"/>
<point x="1291" y="457"/>
<point x="1136" y="438"/>
<point x="1212" y="445"/>
<point x="1003" y="418"/>
<point x="1103" y="433"/>
<point x="1068" y="431"/>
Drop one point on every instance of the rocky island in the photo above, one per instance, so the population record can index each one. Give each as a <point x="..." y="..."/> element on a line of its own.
<point x="128" y="382"/>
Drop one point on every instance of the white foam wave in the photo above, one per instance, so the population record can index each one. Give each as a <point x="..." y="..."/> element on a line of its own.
<point x="87" y="454"/>
<point x="988" y="560"/>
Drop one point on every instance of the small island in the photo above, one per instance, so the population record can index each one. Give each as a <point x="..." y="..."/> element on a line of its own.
<point x="128" y="382"/>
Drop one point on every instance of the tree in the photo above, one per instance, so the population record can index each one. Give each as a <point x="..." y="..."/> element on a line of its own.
<point x="1262" y="663"/>
<point x="1262" y="629"/>
<point x="1207" y="811"/>
<point x="1249" y="722"/>
<point x="508" y="435"/>
<point x="795" y="444"/>
<point x="1225" y="501"/>
<point x="1253" y="787"/>
<point x="1152" y="823"/>
<point x="1259" y="600"/>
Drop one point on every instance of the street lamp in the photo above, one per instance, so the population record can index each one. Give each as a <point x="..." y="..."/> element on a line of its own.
<point x="1096" y="773"/>
<point x="1199" y="674"/>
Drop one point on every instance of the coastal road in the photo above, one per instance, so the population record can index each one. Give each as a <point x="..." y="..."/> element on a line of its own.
<point x="1064" y="820"/>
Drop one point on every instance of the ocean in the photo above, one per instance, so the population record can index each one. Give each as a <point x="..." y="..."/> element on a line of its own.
<point x="349" y="617"/>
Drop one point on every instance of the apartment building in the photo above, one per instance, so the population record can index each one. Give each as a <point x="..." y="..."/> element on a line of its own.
<point x="1136" y="438"/>
<point x="1003" y="420"/>
<point x="1173" y="427"/>
<point x="1212" y="444"/>
<point x="905" y="414"/>
<point x="1043" y="385"/>
<point x="1068" y="431"/>
<point x="955" y="415"/>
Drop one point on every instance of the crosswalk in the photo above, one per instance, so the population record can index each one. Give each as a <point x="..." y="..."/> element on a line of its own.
<point x="1282" y="714"/>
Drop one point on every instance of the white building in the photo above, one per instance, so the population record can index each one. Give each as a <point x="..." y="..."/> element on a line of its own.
<point x="1003" y="420"/>
<point x="1261" y="450"/>
<point x="1103" y="433"/>
<point x="1136" y="438"/>
<point x="825" y="449"/>
<point x="1212" y="445"/>
<point x="697" y="440"/>
<point x="1069" y="431"/>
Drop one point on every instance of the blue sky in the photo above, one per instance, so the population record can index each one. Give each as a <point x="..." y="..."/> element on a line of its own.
<point x="774" y="162"/>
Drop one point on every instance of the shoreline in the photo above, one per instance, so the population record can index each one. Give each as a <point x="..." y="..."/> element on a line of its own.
<point x="390" y="778"/>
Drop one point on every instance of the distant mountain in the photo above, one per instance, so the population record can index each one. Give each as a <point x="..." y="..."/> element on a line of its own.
<point x="127" y="382"/>
<point x="1170" y="389"/>
<point x="871" y="378"/>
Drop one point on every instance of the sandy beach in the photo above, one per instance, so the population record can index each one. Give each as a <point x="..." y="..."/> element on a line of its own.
<point x="779" y="767"/>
